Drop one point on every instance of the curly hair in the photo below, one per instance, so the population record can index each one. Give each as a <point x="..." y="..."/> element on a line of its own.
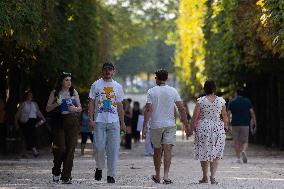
<point x="161" y="74"/>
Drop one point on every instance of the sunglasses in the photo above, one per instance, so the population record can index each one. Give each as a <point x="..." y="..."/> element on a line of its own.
<point x="66" y="73"/>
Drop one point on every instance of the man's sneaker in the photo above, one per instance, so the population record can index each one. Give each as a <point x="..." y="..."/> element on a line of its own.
<point x="35" y="152"/>
<point x="244" y="157"/>
<point x="55" y="178"/>
<point x="98" y="174"/>
<point x="238" y="160"/>
<point x="110" y="179"/>
<point x="67" y="181"/>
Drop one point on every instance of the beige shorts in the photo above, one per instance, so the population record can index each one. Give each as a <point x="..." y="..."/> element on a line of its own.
<point x="240" y="133"/>
<point x="165" y="135"/>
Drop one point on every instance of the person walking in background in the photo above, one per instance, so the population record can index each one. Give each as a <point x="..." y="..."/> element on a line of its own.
<point x="242" y="115"/>
<point x="106" y="117"/>
<point x="85" y="130"/>
<point x="160" y="105"/>
<point x="26" y="117"/>
<point x="128" y="121"/>
<point x="66" y="98"/>
<point x="135" y="115"/>
<point x="210" y="129"/>
<point x="149" y="150"/>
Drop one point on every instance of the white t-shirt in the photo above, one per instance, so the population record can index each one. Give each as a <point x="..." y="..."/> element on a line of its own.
<point x="106" y="96"/>
<point x="31" y="108"/>
<point x="163" y="100"/>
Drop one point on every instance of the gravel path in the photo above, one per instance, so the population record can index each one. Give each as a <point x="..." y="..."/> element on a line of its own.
<point x="264" y="170"/>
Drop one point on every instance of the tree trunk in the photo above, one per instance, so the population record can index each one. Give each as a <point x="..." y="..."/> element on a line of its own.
<point x="281" y="110"/>
<point x="3" y="79"/>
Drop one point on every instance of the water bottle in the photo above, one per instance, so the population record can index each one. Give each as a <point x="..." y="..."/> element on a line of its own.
<point x="69" y="101"/>
<point x="39" y="123"/>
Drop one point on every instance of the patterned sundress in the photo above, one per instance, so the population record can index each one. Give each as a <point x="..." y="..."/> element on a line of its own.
<point x="210" y="135"/>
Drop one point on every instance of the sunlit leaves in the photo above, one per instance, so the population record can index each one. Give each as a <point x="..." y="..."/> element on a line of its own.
<point x="238" y="36"/>
<point x="22" y="21"/>
<point x="190" y="52"/>
<point x="271" y="30"/>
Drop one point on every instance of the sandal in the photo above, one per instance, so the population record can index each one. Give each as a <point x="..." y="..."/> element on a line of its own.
<point x="213" y="180"/>
<point x="154" y="179"/>
<point x="167" y="181"/>
<point x="203" y="180"/>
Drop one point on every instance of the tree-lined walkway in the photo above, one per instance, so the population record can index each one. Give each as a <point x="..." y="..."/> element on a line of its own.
<point x="264" y="170"/>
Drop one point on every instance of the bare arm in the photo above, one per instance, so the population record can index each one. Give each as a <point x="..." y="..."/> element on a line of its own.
<point x="121" y="115"/>
<point x="196" y="115"/>
<point x="183" y="117"/>
<point x="17" y="115"/>
<point x="229" y="116"/>
<point x="252" y="114"/>
<point x="225" y="117"/>
<point x="182" y="112"/>
<point x="51" y="103"/>
<point x="147" y="114"/>
<point x="229" y="120"/>
<point x="91" y="107"/>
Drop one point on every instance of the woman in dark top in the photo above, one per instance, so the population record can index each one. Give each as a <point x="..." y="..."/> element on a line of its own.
<point x="135" y="114"/>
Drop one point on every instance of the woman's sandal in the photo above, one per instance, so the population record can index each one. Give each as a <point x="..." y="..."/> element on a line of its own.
<point x="203" y="180"/>
<point x="213" y="180"/>
<point x="154" y="179"/>
<point x="167" y="181"/>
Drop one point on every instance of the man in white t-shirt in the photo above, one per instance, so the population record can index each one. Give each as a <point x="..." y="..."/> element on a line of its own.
<point x="160" y="106"/>
<point x="106" y="117"/>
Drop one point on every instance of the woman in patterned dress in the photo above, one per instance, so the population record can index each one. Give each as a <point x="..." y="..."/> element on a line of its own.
<point x="209" y="130"/>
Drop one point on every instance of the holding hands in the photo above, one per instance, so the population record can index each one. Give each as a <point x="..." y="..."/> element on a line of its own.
<point x="188" y="130"/>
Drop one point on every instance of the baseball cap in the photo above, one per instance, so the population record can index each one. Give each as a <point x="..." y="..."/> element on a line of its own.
<point x="108" y="65"/>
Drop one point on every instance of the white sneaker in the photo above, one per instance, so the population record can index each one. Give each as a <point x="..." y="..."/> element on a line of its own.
<point x="238" y="161"/>
<point x="35" y="152"/>
<point x="55" y="178"/>
<point x="244" y="157"/>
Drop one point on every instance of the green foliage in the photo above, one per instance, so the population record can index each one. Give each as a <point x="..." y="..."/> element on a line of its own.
<point x="239" y="38"/>
<point x="139" y="34"/>
<point x="190" y="54"/>
<point x="222" y="53"/>
<point x="24" y="22"/>
<point x="145" y="58"/>
<point x="75" y="35"/>
<point x="271" y="29"/>
<point x="39" y="39"/>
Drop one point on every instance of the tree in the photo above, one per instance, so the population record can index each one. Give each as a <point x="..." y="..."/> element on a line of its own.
<point x="190" y="53"/>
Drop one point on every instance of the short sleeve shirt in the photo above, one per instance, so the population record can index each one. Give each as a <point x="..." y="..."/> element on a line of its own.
<point x="106" y="96"/>
<point x="163" y="100"/>
<point x="240" y="109"/>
